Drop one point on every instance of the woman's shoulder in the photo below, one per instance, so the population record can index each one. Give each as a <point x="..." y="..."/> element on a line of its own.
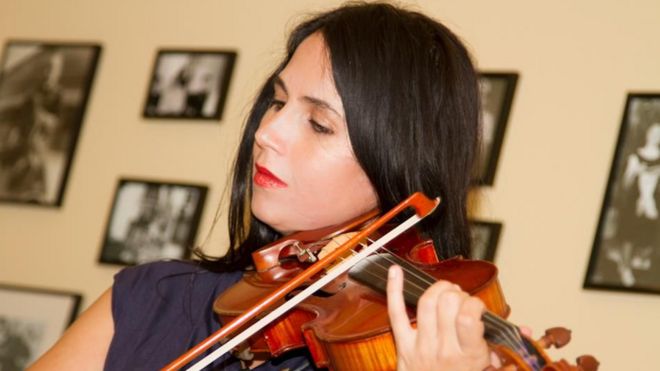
<point x="163" y="280"/>
<point x="172" y="269"/>
<point x="161" y="309"/>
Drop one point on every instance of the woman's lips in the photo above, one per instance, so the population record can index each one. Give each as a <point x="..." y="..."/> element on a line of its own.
<point x="264" y="178"/>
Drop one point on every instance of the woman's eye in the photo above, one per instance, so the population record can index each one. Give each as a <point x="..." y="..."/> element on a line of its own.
<point x="276" y="104"/>
<point x="319" y="128"/>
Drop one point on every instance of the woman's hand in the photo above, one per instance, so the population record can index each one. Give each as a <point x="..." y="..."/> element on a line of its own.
<point x="449" y="333"/>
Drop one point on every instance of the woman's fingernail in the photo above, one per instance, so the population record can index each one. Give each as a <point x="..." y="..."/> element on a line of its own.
<point x="392" y="272"/>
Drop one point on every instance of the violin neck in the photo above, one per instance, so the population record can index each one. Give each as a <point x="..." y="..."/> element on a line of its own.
<point x="372" y="272"/>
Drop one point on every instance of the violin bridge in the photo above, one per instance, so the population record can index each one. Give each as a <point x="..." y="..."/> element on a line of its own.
<point x="334" y="244"/>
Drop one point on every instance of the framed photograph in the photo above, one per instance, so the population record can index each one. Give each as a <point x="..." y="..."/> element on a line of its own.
<point x="31" y="321"/>
<point x="189" y="84"/>
<point x="626" y="250"/>
<point x="485" y="236"/>
<point x="44" y="89"/>
<point x="497" y="90"/>
<point x="152" y="221"/>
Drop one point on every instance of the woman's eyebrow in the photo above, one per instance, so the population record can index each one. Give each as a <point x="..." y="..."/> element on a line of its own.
<point x="320" y="103"/>
<point x="279" y="82"/>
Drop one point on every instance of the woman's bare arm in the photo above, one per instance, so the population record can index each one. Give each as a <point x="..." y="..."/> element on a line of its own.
<point x="85" y="344"/>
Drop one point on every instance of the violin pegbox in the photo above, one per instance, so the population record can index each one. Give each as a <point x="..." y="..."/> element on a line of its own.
<point x="557" y="337"/>
<point x="529" y="355"/>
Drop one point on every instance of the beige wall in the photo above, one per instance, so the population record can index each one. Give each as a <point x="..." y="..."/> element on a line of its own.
<point x="577" y="60"/>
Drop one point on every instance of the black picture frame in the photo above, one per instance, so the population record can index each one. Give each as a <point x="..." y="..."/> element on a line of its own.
<point x="625" y="255"/>
<point x="151" y="220"/>
<point x="31" y="321"/>
<point x="189" y="84"/>
<point x="497" y="91"/>
<point x="44" y="91"/>
<point x="485" y="237"/>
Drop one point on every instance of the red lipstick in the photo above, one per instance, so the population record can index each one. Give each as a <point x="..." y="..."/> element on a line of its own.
<point x="264" y="178"/>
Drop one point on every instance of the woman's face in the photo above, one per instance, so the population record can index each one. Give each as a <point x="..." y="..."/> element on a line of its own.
<point x="305" y="173"/>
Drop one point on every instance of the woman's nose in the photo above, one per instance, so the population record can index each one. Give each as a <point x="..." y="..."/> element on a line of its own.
<point x="272" y="131"/>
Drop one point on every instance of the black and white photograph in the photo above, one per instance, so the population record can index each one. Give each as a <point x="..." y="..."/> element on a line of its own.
<point x="44" y="89"/>
<point x="485" y="236"/>
<point x="189" y="84"/>
<point x="497" y="90"/>
<point x="626" y="250"/>
<point x="31" y="320"/>
<point x="152" y="221"/>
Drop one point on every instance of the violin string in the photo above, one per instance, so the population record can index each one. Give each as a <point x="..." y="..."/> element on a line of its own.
<point x="501" y="330"/>
<point x="505" y="334"/>
<point x="379" y="276"/>
<point x="504" y="329"/>
<point x="421" y="275"/>
<point x="291" y="301"/>
<point x="509" y="334"/>
<point x="417" y="273"/>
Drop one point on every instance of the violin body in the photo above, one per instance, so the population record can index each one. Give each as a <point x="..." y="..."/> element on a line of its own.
<point x="347" y="327"/>
<point x="324" y="290"/>
<point x="356" y="333"/>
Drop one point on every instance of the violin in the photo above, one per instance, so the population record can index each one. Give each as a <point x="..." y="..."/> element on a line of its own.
<point x="330" y="298"/>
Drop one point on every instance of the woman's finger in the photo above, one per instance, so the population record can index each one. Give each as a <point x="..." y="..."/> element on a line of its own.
<point x="427" y="315"/>
<point x="525" y="330"/>
<point x="470" y="328"/>
<point x="396" y="307"/>
<point x="449" y="304"/>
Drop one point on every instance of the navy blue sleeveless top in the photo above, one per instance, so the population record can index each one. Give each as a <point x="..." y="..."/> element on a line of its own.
<point x="162" y="309"/>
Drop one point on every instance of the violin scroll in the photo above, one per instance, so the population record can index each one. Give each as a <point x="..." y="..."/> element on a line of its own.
<point x="558" y="337"/>
<point x="555" y="337"/>
<point x="584" y="363"/>
<point x="587" y="362"/>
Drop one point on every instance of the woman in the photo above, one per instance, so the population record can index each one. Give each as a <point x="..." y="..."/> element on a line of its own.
<point x="371" y="104"/>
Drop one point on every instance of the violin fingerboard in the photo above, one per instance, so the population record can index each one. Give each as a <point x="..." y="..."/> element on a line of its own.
<point x="501" y="332"/>
<point x="372" y="272"/>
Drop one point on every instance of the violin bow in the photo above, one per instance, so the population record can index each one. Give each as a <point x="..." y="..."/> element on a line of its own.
<point x="422" y="205"/>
